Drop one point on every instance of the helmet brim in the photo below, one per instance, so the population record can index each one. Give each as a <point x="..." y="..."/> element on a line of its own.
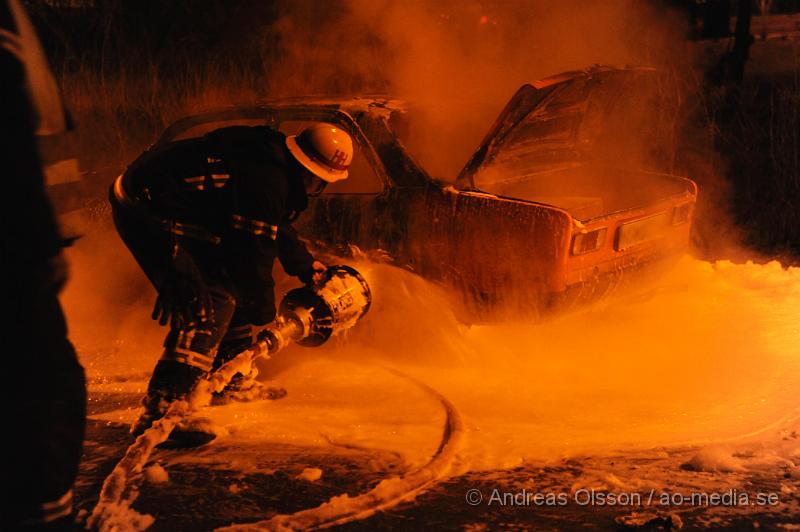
<point x="326" y="174"/>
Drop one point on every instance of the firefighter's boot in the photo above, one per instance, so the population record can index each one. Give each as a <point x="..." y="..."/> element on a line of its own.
<point x="171" y="381"/>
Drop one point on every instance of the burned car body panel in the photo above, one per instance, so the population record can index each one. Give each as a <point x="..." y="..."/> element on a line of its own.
<point x="517" y="247"/>
<point x="499" y="252"/>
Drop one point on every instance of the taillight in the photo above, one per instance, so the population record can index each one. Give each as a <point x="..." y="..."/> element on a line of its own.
<point x="680" y="214"/>
<point x="589" y="241"/>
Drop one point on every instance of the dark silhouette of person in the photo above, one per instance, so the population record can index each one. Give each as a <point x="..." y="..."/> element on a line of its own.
<point x="43" y="380"/>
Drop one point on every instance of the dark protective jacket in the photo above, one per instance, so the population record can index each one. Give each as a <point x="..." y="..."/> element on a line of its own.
<point x="35" y="237"/>
<point x="237" y="188"/>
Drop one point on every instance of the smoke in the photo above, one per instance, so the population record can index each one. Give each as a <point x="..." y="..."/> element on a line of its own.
<point x="459" y="62"/>
<point x="108" y="301"/>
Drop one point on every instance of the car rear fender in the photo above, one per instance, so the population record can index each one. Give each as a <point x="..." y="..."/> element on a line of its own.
<point x="491" y="245"/>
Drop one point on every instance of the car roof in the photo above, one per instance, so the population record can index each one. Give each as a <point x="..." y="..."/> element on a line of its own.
<point x="350" y="104"/>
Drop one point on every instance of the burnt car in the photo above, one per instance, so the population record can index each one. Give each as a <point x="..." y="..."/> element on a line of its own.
<point x="553" y="208"/>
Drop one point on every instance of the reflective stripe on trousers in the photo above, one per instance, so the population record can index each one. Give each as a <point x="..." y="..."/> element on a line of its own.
<point x="197" y="346"/>
<point x="48" y="512"/>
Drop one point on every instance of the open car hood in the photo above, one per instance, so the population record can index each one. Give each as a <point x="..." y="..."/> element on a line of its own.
<point x="563" y="121"/>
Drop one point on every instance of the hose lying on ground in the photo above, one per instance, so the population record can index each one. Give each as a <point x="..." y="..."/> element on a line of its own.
<point x="388" y="493"/>
<point x="112" y="510"/>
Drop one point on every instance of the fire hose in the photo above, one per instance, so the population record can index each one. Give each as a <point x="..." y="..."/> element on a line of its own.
<point x="308" y="316"/>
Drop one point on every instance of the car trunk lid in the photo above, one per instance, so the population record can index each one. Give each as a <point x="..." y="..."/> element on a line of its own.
<point x="588" y="119"/>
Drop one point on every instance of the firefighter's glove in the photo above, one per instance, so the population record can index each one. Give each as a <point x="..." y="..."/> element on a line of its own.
<point x="183" y="300"/>
<point x="316" y="275"/>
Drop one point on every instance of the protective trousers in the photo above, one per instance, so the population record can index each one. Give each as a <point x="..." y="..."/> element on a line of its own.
<point x="189" y="352"/>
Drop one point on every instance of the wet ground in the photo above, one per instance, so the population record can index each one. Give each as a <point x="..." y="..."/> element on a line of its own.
<point x="211" y="486"/>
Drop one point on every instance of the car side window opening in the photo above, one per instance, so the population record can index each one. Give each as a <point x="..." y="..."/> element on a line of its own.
<point x="362" y="178"/>
<point x="202" y="128"/>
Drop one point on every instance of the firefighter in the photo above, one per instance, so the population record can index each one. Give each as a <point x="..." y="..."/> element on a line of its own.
<point x="205" y="218"/>
<point x="44" y="387"/>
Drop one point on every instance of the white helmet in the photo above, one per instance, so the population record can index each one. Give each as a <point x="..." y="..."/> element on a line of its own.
<point x="324" y="149"/>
